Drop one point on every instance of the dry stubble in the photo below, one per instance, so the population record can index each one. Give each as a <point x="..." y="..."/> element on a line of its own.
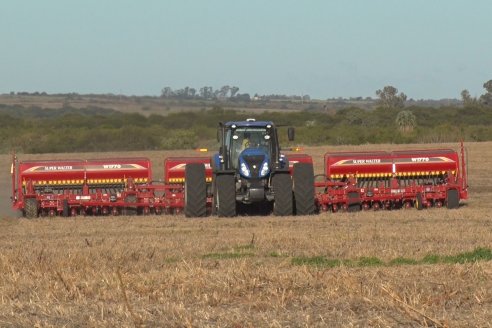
<point x="172" y="271"/>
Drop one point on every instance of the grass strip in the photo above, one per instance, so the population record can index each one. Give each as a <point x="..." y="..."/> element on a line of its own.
<point x="479" y="254"/>
<point x="236" y="252"/>
<point x="227" y="255"/>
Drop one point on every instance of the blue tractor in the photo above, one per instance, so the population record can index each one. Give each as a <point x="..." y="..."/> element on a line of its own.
<point x="250" y="169"/>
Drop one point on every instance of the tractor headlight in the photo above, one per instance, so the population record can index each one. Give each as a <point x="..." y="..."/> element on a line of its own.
<point x="245" y="170"/>
<point x="264" y="169"/>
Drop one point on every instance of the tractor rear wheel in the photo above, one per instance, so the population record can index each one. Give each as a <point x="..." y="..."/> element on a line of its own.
<point x="195" y="190"/>
<point x="31" y="208"/>
<point x="452" y="199"/>
<point x="283" y="202"/>
<point x="225" y="195"/>
<point x="303" y="180"/>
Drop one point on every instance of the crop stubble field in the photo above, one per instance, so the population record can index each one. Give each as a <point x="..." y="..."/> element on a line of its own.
<point x="344" y="269"/>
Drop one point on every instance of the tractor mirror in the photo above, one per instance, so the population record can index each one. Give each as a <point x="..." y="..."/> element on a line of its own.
<point x="218" y="135"/>
<point x="291" y="132"/>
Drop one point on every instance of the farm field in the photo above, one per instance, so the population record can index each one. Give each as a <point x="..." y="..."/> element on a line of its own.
<point x="383" y="269"/>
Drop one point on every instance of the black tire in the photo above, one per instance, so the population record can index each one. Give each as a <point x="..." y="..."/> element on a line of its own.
<point x="214" y="195"/>
<point x="195" y="189"/>
<point x="131" y="210"/>
<point x="31" y="208"/>
<point x="419" y="204"/>
<point x="225" y="195"/>
<point x="283" y="201"/>
<point x="66" y="208"/>
<point x="303" y="185"/>
<point x="452" y="199"/>
<point x="353" y="202"/>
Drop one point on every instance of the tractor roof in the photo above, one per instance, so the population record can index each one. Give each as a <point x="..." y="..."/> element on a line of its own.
<point x="249" y="123"/>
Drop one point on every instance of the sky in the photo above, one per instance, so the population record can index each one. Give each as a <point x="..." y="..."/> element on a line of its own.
<point x="428" y="49"/>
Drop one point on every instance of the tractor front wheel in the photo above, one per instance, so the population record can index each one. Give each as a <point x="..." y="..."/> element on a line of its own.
<point x="282" y="187"/>
<point x="225" y="195"/>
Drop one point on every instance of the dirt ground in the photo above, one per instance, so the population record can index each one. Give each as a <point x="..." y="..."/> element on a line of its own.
<point x="244" y="272"/>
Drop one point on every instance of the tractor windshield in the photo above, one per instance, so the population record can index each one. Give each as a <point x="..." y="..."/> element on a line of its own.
<point x="247" y="137"/>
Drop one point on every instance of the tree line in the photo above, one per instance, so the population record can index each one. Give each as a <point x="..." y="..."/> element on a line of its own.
<point x="83" y="130"/>
<point x="226" y="92"/>
<point x="40" y="130"/>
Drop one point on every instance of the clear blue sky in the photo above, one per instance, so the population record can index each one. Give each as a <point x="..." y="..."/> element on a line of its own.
<point x="427" y="49"/>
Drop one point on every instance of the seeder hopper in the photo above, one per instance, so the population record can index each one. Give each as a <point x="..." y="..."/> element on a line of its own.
<point x="387" y="180"/>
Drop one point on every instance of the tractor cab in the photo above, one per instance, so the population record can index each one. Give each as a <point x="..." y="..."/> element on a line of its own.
<point x="249" y="147"/>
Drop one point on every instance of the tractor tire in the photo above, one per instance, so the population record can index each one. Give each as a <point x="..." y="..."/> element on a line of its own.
<point x="213" y="211"/>
<point x="130" y="210"/>
<point x="353" y="206"/>
<point x="283" y="202"/>
<point x="419" y="204"/>
<point x="225" y="195"/>
<point x="195" y="189"/>
<point x="31" y="208"/>
<point x="452" y="199"/>
<point x="66" y="208"/>
<point x="303" y="181"/>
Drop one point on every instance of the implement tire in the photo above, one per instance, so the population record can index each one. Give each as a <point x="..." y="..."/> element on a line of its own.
<point x="195" y="189"/>
<point x="283" y="201"/>
<point x="353" y="202"/>
<point x="31" y="208"/>
<point x="66" y="208"/>
<point x="452" y="199"/>
<point x="131" y="210"/>
<point x="225" y="195"/>
<point x="303" y="181"/>
<point x="419" y="201"/>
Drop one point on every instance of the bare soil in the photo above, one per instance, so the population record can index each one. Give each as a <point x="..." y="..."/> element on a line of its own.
<point x="171" y="271"/>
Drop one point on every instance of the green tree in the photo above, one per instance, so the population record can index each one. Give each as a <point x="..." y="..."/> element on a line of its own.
<point x="467" y="99"/>
<point x="406" y="121"/>
<point x="167" y="92"/>
<point x="389" y="97"/>
<point x="488" y="86"/>
<point x="234" y="90"/>
<point x="486" y="99"/>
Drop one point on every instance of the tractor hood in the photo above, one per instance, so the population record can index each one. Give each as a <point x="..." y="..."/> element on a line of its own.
<point x="254" y="163"/>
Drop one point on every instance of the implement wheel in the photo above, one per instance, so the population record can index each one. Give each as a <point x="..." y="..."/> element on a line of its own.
<point x="283" y="202"/>
<point x="66" y="208"/>
<point x="131" y="210"/>
<point x="303" y="181"/>
<point x="195" y="190"/>
<point x="31" y="208"/>
<point x="419" y="201"/>
<point x="353" y="205"/>
<point x="452" y="199"/>
<point x="225" y="195"/>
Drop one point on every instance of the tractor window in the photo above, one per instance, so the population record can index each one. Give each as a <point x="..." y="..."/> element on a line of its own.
<point x="248" y="137"/>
